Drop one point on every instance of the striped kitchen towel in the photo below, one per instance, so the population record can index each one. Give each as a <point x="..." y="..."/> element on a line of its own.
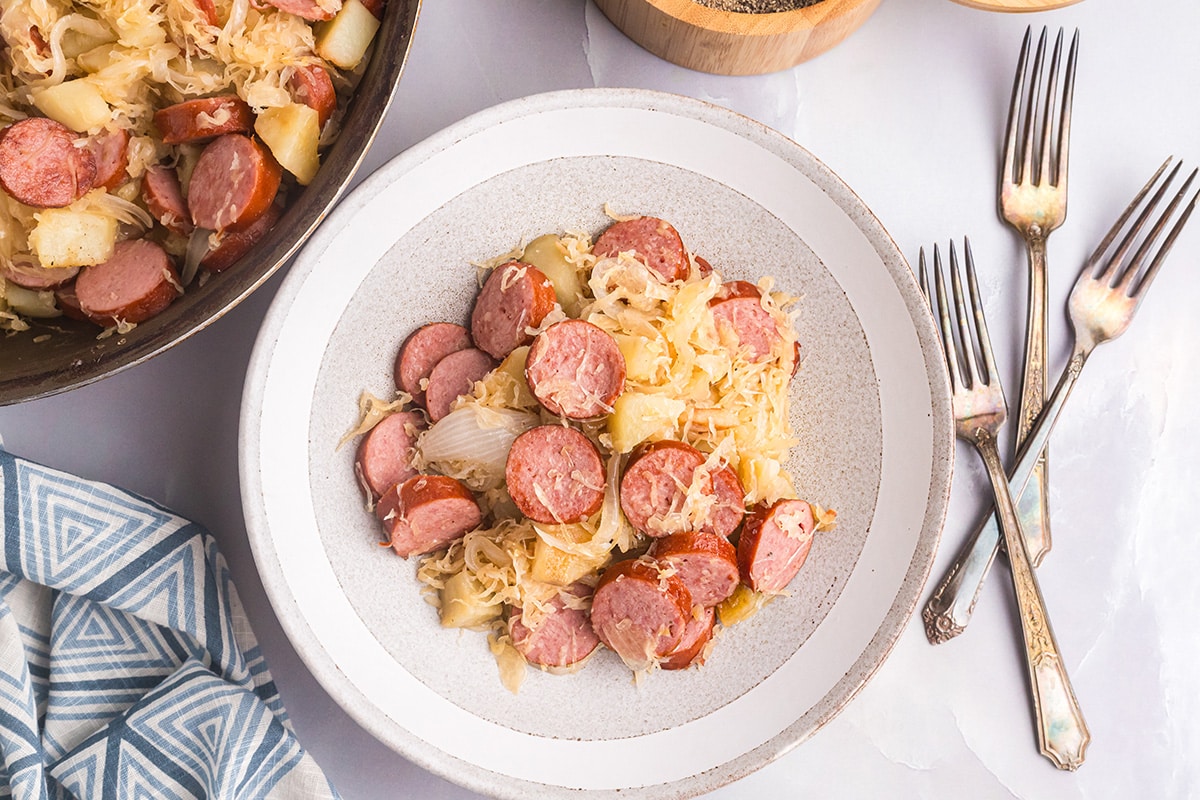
<point x="127" y="667"/>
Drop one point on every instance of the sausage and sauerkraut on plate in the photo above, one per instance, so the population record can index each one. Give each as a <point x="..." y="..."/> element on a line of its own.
<point x="144" y="143"/>
<point x="598" y="459"/>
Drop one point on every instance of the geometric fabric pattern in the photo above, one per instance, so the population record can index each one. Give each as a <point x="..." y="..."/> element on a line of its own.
<point x="127" y="667"/>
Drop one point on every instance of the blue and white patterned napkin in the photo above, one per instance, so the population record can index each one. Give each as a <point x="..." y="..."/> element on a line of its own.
<point x="127" y="667"/>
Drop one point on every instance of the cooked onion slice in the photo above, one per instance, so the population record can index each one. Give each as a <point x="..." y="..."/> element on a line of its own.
<point x="472" y="442"/>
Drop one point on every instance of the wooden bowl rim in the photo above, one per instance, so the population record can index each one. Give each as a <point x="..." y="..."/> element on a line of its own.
<point x="744" y="23"/>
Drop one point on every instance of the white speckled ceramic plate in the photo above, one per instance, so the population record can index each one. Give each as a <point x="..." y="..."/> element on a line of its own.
<point x="871" y="411"/>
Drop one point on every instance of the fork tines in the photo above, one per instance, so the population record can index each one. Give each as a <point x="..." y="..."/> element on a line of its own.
<point x="1121" y="274"/>
<point x="973" y="364"/>
<point x="1024" y="121"/>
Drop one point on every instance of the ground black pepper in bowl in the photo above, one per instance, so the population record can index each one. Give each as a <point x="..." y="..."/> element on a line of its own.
<point x="757" y="6"/>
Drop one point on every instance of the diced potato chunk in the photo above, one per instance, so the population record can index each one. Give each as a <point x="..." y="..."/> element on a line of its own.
<point x="98" y="58"/>
<point x="545" y="254"/>
<point x="642" y="356"/>
<point x="78" y="104"/>
<point x="461" y="607"/>
<point x="67" y="238"/>
<point x="740" y="606"/>
<point x="552" y="565"/>
<point x="343" y="40"/>
<point x="292" y="133"/>
<point x="637" y="417"/>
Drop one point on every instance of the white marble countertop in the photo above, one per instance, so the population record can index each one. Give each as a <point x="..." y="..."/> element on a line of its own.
<point x="909" y="111"/>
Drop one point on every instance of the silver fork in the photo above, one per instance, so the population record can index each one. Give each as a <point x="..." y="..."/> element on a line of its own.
<point x="1033" y="199"/>
<point x="979" y="412"/>
<point x="1101" y="307"/>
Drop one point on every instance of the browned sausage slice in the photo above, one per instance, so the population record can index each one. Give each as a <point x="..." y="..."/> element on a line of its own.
<point x="235" y="244"/>
<point x="204" y="118"/>
<point x="696" y="635"/>
<point x="110" y="149"/>
<point x="307" y="9"/>
<point x="136" y="283"/>
<point x="453" y="377"/>
<point x="774" y="544"/>
<point x="704" y="561"/>
<point x="726" y="515"/>
<point x="640" y="612"/>
<point x="44" y="164"/>
<point x="37" y="278"/>
<point x="738" y="307"/>
<point x="233" y="184"/>
<point x="554" y="474"/>
<point x="311" y="86"/>
<point x="575" y="369"/>
<point x="164" y="200"/>
<point x="427" y="512"/>
<point x="515" y="296"/>
<point x="655" y="485"/>
<point x="421" y="352"/>
<point x="563" y="637"/>
<point x="653" y="241"/>
<point x="68" y="303"/>
<point x="384" y="456"/>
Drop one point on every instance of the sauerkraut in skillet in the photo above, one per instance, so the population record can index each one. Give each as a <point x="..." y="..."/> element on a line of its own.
<point x="115" y="103"/>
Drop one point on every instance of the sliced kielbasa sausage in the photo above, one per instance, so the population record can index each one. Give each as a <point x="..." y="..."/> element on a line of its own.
<point x="640" y="611"/>
<point x="563" y="637"/>
<point x="235" y="244"/>
<point x="453" y="377"/>
<point x="654" y="491"/>
<point x="738" y="308"/>
<point x="37" y="278"/>
<point x="384" y="456"/>
<point x="307" y="9"/>
<point x="725" y="516"/>
<point x="204" y="118"/>
<point x="653" y="241"/>
<point x="696" y="635"/>
<point x="68" y="303"/>
<point x="312" y="86"/>
<point x="774" y="544"/>
<point x="44" y="164"/>
<point x="233" y="184"/>
<point x="427" y="512"/>
<point x="705" y="562"/>
<point x="136" y="283"/>
<point x="110" y="149"/>
<point x="421" y="352"/>
<point x="164" y="200"/>
<point x="554" y="474"/>
<point x="575" y="369"/>
<point x="516" y="296"/>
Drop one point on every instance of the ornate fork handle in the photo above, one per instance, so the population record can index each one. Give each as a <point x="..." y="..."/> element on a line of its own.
<point x="1032" y="508"/>
<point x="949" y="609"/>
<point x="1063" y="735"/>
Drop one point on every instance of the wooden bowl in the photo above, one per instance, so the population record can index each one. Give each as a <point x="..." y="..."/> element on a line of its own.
<point x="730" y="43"/>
